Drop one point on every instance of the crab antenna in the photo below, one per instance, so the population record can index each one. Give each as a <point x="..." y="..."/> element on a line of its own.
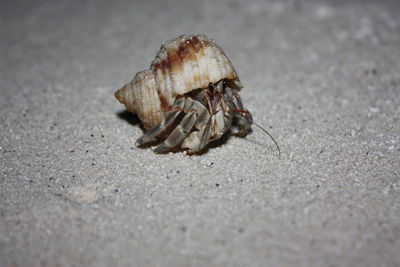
<point x="270" y="136"/>
<point x="265" y="131"/>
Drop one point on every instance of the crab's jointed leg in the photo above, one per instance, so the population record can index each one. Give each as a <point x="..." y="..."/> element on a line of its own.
<point x="194" y="124"/>
<point x="196" y="120"/>
<point x="193" y="129"/>
<point x="178" y="134"/>
<point x="243" y="116"/>
<point x="197" y="140"/>
<point x="152" y="135"/>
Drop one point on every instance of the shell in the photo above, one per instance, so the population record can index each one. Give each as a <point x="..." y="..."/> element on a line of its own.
<point x="181" y="65"/>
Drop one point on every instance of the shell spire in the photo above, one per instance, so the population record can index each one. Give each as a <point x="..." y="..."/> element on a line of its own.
<point x="181" y="65"/>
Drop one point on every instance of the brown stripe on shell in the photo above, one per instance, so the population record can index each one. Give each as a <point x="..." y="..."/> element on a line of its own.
<point x="163" y="64"/>
<point x="161" y="67"/>
<point x="165" y="107"/>
<point x="185" y="64"/>
<point x="183" y="50"/>
<point x="174" y="59"/>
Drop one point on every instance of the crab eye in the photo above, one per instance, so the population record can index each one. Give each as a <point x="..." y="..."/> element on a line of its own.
<point x="223" y="86"/>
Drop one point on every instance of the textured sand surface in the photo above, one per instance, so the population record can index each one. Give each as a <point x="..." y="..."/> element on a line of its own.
<point x="323" y="77"/>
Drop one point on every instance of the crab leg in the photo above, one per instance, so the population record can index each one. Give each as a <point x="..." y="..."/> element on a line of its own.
<point x="223" y="120"/>
<point x="178" y="134"/>
<point x="152" y="135"/>
<point x="196" y="116"/>
<point x="197" y="140"/>
<point x="242" y="115"/>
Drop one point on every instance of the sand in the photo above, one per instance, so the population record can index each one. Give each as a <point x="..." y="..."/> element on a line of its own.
<point x="322" y="77"/>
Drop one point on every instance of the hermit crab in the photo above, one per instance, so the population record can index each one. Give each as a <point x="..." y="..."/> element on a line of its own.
<point x="188" y="98"/>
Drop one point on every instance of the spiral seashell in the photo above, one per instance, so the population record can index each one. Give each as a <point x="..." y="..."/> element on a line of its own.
<point x="182" y="65"/>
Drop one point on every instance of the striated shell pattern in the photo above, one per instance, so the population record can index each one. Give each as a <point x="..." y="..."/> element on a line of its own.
<point x="181" y="65"/>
